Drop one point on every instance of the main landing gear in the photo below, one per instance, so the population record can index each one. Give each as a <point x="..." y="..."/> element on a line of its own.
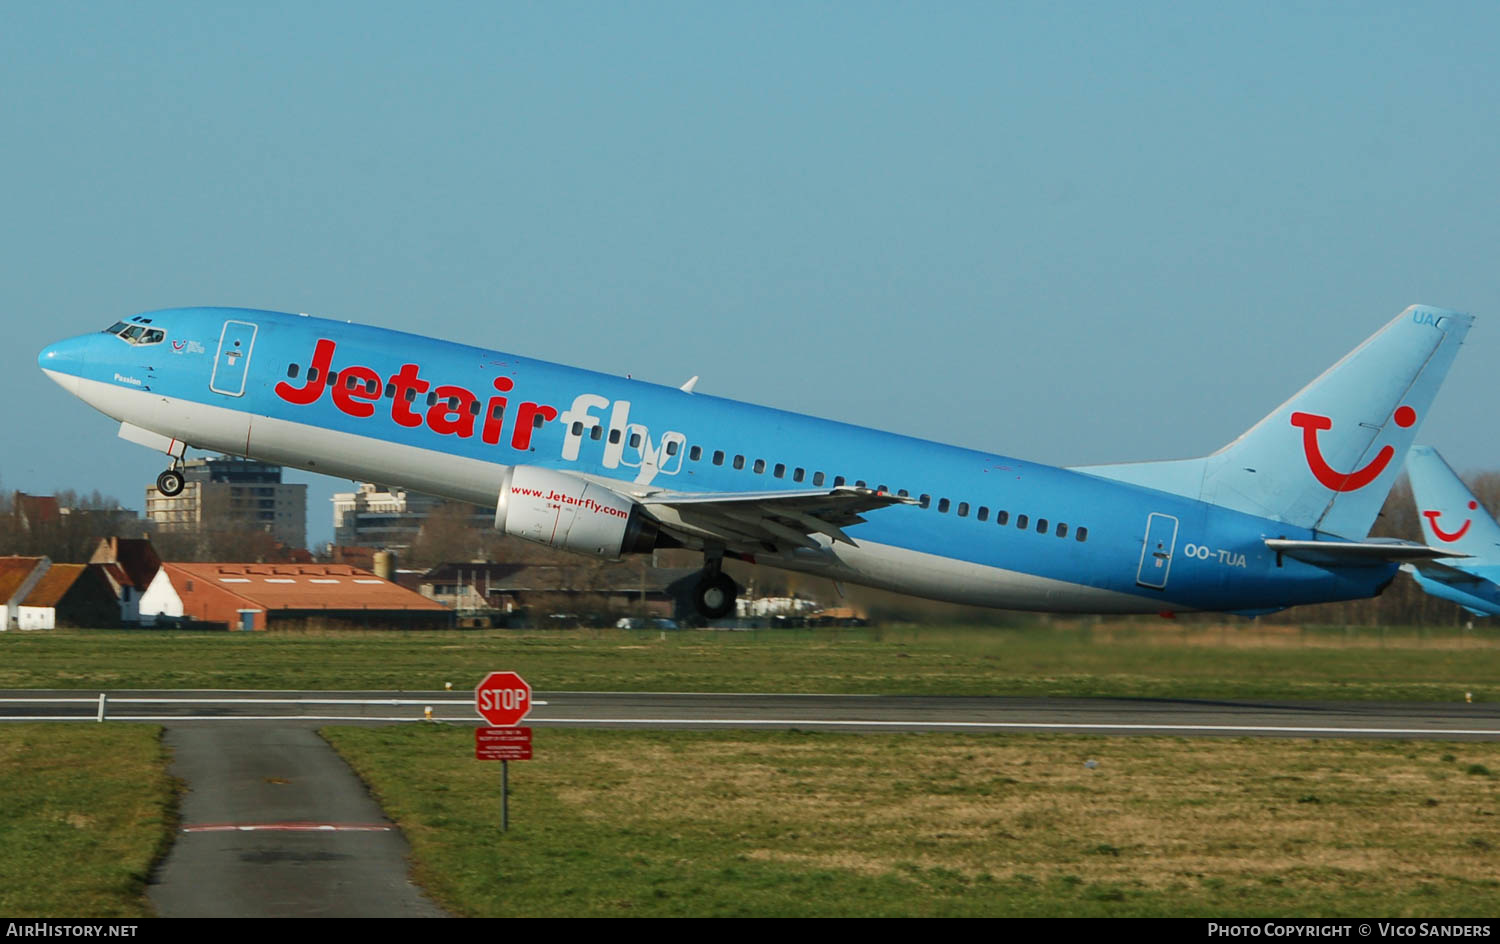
<point x="716" y="591"/>
<point x="171" y="482"/>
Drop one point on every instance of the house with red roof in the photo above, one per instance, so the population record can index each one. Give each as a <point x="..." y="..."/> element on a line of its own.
<point x="282" y="596"/>
<point x="18" y="577"/>
<point x="78" y="595"/>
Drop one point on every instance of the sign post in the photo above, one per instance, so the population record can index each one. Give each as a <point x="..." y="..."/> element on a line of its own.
<point x="503" y="699"/>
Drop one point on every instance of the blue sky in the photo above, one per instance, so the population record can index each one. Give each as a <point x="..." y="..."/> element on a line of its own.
<point x="1068" y="232"/>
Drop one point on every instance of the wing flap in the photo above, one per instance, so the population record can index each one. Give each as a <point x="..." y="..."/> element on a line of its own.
<point x="781" y="521"/>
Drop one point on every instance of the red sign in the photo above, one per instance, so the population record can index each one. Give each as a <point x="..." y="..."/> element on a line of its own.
<point x="502" y="743"/>
<point x="502" y="699"/>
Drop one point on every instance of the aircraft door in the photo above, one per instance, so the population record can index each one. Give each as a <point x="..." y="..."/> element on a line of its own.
<point x="1156" y="552"/>
<point x="233" y="358"/>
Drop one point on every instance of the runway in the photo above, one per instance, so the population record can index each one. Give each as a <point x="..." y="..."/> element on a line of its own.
<point x="855" y="713"/>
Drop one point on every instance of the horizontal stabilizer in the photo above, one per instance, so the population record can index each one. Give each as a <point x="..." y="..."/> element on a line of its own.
<point x="1477" y="593"/>
<point x="1437" y="570"/>
<point x="1356" y="553"/>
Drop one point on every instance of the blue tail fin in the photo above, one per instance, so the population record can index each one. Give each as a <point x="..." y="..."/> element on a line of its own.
<point x="1326" y="458"/>
<point x="1452" y="517"/>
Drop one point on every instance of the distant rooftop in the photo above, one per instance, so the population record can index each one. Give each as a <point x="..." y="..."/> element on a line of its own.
<point x="302" y="586"/>
<point x="232" y="469"/>
<point x="57" y="581"/>
<point x="13" y="573"/>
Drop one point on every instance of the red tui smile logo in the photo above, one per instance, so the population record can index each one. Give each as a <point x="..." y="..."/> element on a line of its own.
<point x="1448" y="536"/>
<point x="1331" y="478"/>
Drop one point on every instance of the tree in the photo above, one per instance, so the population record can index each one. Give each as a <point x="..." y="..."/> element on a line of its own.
<point x="446" y="536"/>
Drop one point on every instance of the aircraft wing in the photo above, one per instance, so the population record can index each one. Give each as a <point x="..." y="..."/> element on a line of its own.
<point x="1356" y="553"/>
<point x="759" y="521"/>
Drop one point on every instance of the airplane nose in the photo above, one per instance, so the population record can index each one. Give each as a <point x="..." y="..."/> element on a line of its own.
<point x="65" y="361"/>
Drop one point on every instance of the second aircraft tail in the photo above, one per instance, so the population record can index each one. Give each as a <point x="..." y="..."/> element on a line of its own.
<point x="1452" y="518"/>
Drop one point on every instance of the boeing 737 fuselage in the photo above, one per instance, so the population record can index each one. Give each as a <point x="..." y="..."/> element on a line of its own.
<point x="607" y="466"/>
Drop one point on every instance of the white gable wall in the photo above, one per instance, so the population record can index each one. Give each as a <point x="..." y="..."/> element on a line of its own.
<point x="160" y="599"/>
<point x="37" y="617"/>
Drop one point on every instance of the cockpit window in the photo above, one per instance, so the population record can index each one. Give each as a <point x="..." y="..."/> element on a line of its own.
<point x="136" y="334"/>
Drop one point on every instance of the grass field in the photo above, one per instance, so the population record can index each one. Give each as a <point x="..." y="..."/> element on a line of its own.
<point x="1157" y="659"/>
<point x="84" y="811"/>
<point x="658" y="824"/>
<point x="773" y="823"/>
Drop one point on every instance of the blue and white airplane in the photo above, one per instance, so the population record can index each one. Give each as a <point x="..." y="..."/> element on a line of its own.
<point x="608" y="466"/>
<point x="1453" y="519"/>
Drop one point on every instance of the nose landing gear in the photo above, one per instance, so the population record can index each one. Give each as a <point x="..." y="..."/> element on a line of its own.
<point x="171" y="482"/>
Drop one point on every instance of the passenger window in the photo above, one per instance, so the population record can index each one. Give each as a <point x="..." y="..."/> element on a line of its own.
<point x="614" y="436"/>
<point x="1001" y="517"/>
<point x="390" y="391"/>
<point x="963" y="509"/>
<point x="1062" y="530"/>
<point x="1082" y="534"/>
<point x="1021" y="521"/>
<point x="695" y="453"/>
<point x="635" y="440"/>
<point x="372" y="387"/>
<point x="291" y="370"/>
<point x="333" y="378"/>
<point x="838" y="480"/>
<point x="924" y="501"/>
<point x="596" y="433"/>
<point x="410" y="395"/>
<point x="983" y="514"/>
<point x="818" y="479"/>
<point x="672" y="445"/>
<point x="760" y="466"/>
<point x="901" y="492"/>
<point x="1041" y="526"/>
<point x="859" y="483"/>
<point x="537" y="420"/>
<point x="798" y="475"/>
<point x="474" y="408"/>
<point x="498" y="412"/>
<point x="350" y="381"/>
<point x="779" y="471"/>
<point x="739" y="462"/>
<point x="431" y="399"/>
<point x="577" y="428"/>
<point x="312" y="376"/>
<point x="943" y="506"/>
<point x="718" y="457"/>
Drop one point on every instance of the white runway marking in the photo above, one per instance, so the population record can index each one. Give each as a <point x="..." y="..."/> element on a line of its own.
<point x="288" y="828"/>
<point x="815" y="723"/>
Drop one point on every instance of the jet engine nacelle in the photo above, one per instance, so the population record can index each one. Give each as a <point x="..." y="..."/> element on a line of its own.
<point x="569" y="513"/>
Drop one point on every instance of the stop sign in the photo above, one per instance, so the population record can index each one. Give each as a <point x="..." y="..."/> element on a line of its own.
<point x="502" y="699"/>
